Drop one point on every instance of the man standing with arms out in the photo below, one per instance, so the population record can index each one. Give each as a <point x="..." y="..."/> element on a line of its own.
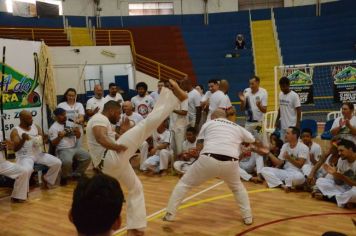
<point x="27" y="139"/>
<point x="289" y="112"/>
<point x="96" y="103"/>
<point x="142" y="102"/>
<point x="254" y="103"/>
<point x="287" y="172"/>
<point x="194" y="108"/>
<point x="112" y="157"/>
<point x="155" y="94"/>
<point x="219" y="144"/>
<point x="114" y="94"/>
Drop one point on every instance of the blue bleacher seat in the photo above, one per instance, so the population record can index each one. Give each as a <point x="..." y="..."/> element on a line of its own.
<point x="326" y="135"/>
<point x="310" y="124"/>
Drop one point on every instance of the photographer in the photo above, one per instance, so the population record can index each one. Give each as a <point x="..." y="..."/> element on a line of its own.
<point x="63" y="136"/>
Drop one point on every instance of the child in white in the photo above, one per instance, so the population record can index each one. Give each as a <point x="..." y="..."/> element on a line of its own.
<point x="314" y="152"/>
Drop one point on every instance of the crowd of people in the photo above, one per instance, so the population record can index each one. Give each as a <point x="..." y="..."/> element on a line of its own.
<point x="192" y="131"/>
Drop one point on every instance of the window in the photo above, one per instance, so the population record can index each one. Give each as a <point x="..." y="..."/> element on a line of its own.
<point x="151" y="8"/>
<point x="259" y="4"/>
<point x="10" y="4"/>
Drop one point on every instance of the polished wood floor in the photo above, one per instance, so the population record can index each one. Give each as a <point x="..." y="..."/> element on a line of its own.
<point x="213" y="212"/>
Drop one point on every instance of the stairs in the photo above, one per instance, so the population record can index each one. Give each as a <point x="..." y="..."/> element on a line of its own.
<point x="266" y="56"/>
<point x="80" y="37"/>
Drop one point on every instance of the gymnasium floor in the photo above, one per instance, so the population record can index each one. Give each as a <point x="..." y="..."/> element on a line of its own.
<point x="212" y="211"/>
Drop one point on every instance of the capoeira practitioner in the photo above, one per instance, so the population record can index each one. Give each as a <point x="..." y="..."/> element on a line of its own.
<point x="27" y="139"/>
<point x="341" y="181"/>
<point x="113" y="157"/>
<point x="14" y="171"/>
<point x="219" y="141"/>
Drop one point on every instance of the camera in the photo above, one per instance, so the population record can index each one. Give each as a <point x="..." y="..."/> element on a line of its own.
<point x="69" y="131"/>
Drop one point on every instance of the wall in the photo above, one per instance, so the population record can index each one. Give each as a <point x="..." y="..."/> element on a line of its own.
<point x="150" y="81"/>
<point x="68" y="65"/>
<point x="294" y="3"/>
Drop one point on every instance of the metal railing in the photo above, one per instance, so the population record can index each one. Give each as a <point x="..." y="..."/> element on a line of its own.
<point x="275" y="34"/>
<point x="27" y="33"/>
<point x="252" y="43"/>
<point x="142" y="63"/>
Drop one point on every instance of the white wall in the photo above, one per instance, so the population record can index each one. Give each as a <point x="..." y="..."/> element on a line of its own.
<point x="150" y="81"/>
<point x="294" y="3"/>
<point x="68" y="65"/>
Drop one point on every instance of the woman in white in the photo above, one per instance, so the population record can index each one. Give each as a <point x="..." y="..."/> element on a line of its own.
<point x="345" y="126"/>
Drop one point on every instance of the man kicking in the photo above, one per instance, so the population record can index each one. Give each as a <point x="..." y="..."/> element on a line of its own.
<point x="219" y="141"/>
<point x="112" y="157"/>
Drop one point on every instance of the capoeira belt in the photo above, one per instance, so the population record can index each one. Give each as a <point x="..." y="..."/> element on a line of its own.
<point x="101" y="164"/>
<point x="220" y="157"/>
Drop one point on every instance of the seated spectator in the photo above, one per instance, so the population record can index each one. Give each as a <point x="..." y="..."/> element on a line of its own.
<point x="28" y="143"/>
<point x="129" y="113"/>
<point x="345" y="126"/>
<point x="142" y="102"/>
<point x="314" y="151"/>
<point x="287" y="172"/>
<point x="341" y="180"/>
<point x="160" y="154"/>
<point x="96" y="207"/>
<point x="155" y="94"/>
<point x="114" y="94"/>
<point x="240" y="42"/>
<point x="14" y="171"/>
<point x="247" y="164"/>
<point x="63" y="137"/>
<point x="96" y="103"/>
<point x="189" y="153"/>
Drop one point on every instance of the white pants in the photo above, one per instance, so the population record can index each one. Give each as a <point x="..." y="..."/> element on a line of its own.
<point x="275" y="177"/>
<point x="118" y="165"/>
<point x="182" y="166"/>
<point x="179" y="137"/>
<point x="248" y="165"/>
<point x="160" y="160"/>
<point x="342" y="193"/>
<point x="206" y="168"/>
<point x="144" y="154"/>
<point x="20" y="175"/>
<point x="52" y="162"/>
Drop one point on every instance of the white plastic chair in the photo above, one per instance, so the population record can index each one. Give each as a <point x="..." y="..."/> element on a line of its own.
<point x="269" y="121"/>
<point x="333" y="115"/>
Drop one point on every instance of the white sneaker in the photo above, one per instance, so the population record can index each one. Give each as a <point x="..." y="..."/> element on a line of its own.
<point x="248" y="220"/>
<point x="168" y="217"/>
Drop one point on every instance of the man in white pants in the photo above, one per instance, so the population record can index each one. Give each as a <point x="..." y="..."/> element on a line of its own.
<point x="112" y="157"/>
<point x="16" y="172"/>
<point x="219" y="141"/>
<point x="27" y="139"/>
<point x="340" y="182"/>
<point x="287" y="172"/>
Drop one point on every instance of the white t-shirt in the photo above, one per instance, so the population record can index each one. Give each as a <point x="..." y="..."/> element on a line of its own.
<point x="218" y="100"/>
<point x="287" y="106"/>
<point x="164" y="137"/>
<point x="178" y="121"/>
<point x="253" y="113"/>
<point x="314" y="150"/>
<point x="66" y="142"/>
<point x="155" y="96"/>
<point x="224" y="137"/>
<point x="95" y="149"/>
<point x="344" y="166"/>
<point x="206" y="96"/>
<point x="299" y="151"/>
<point x="30" y="147"/>
<point x="345" y="132"/>
<point x="188" y="145"/>
<point x="74" y="111"/>
<point x="143" y="105"/>
<point x="194" y="99"/>
<point x="117" y="98"/>
<point x="135" y="117"/>
<point x="93" y="103"/>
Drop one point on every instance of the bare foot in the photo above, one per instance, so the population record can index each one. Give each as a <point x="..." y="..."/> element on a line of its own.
<point x="164" y="173"/>
<point x="286" y="188"/>
<point x="178" y="92"/>
<point x="256" y="180"/>
<point x="135" y="232"/>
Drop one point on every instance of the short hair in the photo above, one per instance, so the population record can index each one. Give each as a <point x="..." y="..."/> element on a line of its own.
<point x="141" y="85"/>
<point x="350" y="105"/>
<point x="255" y="77"/>
<point x="214" y="81"/>
<point x="284" y="81"/>
<point x="66" y="93"/>
<point x="307" y="130"/>
<point x="97" y="204"/>
<point x="112" y="85"/>
<point x="295" y="130"/>
<point x="279" y="143"/>
<point x="191" y="129"/>
<point x="348" y="144"/>
<point x="111" y="105"/>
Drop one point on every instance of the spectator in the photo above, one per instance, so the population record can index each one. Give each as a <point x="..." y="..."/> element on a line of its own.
<point x="314" y="151"/>
<point x="155" y="94"/>
<point x="142" y="102"/>
<point x="240" y="42"/>
<point x="96" y="207"/>
<point x="194" y="108"/>
<point x="114" y="94"/>
<point x="345" y="126"/>
<point x="200" y="89"/>
<point x="96" y="103"/>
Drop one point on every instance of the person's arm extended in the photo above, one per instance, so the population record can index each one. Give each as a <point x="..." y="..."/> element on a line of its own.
<point x="100" y="134"/>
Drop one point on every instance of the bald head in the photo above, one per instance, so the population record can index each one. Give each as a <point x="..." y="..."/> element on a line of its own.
<point x="224" y="86"/>
<point x="25" y="119"/>
<point x="127" y="107"/>
<point x="218" y="113"/>
<point x="98" y="91"/>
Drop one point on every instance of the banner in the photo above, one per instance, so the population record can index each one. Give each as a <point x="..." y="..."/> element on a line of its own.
<point x="344" y="83"/>
<point x="21" y="90"/>
<point x="47" y="9"/>
<point x="24" y="9"/>
<point x="301" y="82"/>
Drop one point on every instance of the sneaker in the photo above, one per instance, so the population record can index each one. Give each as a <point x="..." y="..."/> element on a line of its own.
<point x="168" y="217"/>
<point x="248" y="220"/>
